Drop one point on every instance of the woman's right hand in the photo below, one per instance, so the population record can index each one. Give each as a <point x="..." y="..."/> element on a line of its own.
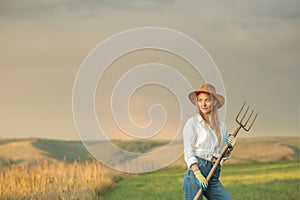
<point x="201" y="180"/>
<point x="231" y="141"/>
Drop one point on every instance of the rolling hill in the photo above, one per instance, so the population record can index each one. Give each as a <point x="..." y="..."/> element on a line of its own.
<point x="261" y="149"/>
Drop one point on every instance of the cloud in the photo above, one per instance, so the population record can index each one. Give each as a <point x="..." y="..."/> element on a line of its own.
<point x="280" y="9"/>
<point x="35" y="9"/>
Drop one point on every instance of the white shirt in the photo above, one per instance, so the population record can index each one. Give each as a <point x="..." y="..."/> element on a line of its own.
<point x="200" y="140"/>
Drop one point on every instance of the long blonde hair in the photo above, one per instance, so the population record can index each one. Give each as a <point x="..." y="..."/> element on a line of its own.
<point x="213" y="121"/>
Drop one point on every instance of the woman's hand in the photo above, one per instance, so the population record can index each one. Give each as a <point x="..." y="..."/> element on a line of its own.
<point x="201" y="180"/>
<point x="231" y="141"/>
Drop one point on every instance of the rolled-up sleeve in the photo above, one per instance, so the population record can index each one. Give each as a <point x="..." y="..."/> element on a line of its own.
<point x="189" y="139"/>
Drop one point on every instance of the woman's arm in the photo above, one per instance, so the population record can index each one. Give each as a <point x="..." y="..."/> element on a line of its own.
<point x="189" y="139"/>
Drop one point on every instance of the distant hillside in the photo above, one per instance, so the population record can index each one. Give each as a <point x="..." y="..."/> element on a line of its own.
<point x="261" y="149"/>
<point x="62" y="150"/>
<point x="265" y="149"/>
<point x="15" y="151"/>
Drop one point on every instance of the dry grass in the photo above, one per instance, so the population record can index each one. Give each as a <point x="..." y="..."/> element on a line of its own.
<point x="56" y="180"/>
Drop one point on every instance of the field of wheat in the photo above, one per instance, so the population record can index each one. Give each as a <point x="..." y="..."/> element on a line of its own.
<point x="56" y="180"/>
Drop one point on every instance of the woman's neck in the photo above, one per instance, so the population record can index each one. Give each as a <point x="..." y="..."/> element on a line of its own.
<point x="206" y="117"/>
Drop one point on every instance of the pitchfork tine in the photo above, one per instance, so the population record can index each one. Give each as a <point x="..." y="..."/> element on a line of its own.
<point x="247" y="129"/>
<point x="241" y="110"/>
<point x="244" y="115"/>
<point x="240" y="122"/>
<point x="248" y="118"/>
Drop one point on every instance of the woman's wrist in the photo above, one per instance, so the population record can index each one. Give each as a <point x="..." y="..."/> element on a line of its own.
<point x="194" y="167"/>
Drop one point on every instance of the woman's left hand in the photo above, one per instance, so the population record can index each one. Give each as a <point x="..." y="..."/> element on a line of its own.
<point x="231" y="141"/>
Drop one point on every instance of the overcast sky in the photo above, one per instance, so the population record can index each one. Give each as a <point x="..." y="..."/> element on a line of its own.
<point x="255" y="45"/>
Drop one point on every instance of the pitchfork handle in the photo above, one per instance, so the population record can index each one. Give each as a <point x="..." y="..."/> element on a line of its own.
<point x="213" y="169"/>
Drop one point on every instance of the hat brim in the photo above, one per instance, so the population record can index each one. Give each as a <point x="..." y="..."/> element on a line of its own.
<point x="193" y="98"/>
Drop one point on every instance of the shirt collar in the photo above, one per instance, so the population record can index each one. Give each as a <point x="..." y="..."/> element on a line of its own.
<point x="199" y="118"/>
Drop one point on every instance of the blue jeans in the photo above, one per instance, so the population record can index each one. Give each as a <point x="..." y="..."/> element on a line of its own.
<point x="214" y="191"/>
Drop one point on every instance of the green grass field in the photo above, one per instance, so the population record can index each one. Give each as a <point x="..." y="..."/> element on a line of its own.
<point x="261" y="181"/>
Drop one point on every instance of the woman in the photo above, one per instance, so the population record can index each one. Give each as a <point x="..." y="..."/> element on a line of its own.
<point x="204" y="138"/>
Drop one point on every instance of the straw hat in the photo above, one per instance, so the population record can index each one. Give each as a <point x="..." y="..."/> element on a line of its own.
<point x="209" y="89"/>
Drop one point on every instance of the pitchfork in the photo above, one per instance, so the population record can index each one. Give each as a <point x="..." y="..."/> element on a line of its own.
<point x="241" y="125"/>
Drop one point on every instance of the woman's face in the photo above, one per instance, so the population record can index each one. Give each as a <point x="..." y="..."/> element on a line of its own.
<point x="205" y="103"/>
